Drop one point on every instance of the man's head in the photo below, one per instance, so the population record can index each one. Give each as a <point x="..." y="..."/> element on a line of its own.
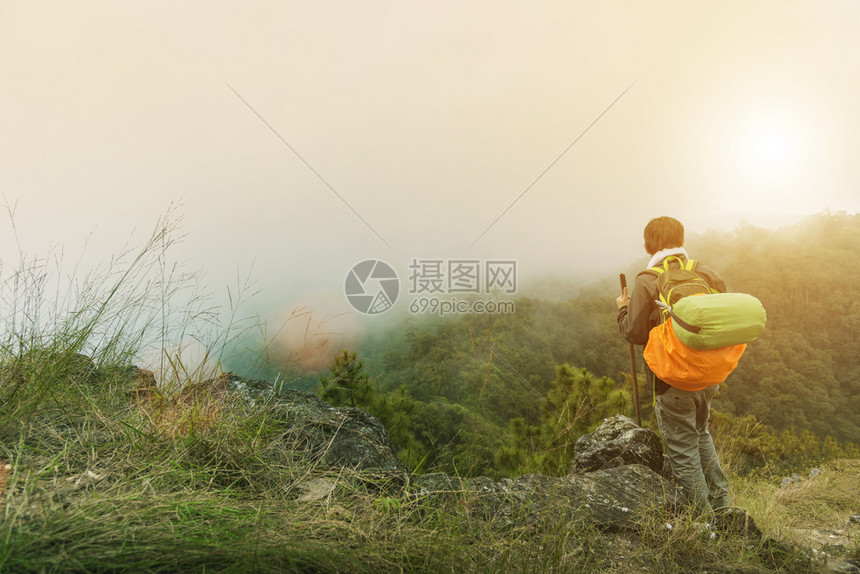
<point x="663" y="233"/>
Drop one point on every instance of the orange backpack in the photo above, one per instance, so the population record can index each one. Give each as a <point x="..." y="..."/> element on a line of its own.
<point x="686" y="368"/>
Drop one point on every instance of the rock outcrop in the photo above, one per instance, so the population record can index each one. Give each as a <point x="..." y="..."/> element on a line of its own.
<point x="611" y="498"/>
<point x="337" y="437"/>
<point x="614" y="481"/>
<point x="615" y="471"/>
<point x="617" y="442"/>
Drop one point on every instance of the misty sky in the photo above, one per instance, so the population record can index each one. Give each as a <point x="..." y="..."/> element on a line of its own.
<point x="428" y="119"/>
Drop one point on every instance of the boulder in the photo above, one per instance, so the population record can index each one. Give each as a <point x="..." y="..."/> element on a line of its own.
<point x="435" y="483"/>
<point x="617" y="442"/>
<point x="615" y="478"/>
<point x="613" y="499"/>
<point x="337" y="437"/>
<point x="251" y="390"/>
<point x="616" y="497"/>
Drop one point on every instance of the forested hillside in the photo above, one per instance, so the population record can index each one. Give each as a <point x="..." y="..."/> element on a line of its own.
<point x="500" y="394"/>
<point x="805" y="369"/>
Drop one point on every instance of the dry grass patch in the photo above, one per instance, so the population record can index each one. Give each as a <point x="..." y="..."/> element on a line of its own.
<point x="180" y="409"/>
<point x="812" y="513"/>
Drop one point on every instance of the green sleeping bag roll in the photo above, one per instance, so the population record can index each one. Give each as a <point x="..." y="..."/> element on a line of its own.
<point x="718" y="320"/>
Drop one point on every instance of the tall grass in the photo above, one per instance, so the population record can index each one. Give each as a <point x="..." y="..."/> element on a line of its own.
<point x="60" y="328"/>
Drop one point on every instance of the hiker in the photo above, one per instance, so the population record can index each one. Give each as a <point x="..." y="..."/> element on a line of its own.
<point x="682" y="415"/>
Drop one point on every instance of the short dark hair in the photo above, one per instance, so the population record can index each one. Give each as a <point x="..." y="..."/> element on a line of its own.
<point x="663" y="233"/>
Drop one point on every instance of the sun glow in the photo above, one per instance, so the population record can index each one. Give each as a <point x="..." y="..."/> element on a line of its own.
<point x="768" y="155"/>
<point x="770" y="147"/>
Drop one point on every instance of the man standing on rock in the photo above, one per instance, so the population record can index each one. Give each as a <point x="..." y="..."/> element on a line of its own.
<point x="681" y="415"/>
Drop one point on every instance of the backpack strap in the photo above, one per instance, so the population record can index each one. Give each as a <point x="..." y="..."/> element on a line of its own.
<point x="683" y="324"/>
<point x="687" y="265"/>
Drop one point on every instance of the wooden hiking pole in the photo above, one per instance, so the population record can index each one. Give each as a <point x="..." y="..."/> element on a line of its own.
<point x="632" y="363"/>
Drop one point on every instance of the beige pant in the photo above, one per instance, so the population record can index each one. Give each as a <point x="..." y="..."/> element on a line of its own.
<point x="683" y="420"/>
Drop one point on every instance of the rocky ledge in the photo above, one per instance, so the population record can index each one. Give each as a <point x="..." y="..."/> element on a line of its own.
<point x="615" y="474"/>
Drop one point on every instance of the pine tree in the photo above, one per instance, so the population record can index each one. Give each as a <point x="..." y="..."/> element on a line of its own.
<point x="347" y="383"/>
